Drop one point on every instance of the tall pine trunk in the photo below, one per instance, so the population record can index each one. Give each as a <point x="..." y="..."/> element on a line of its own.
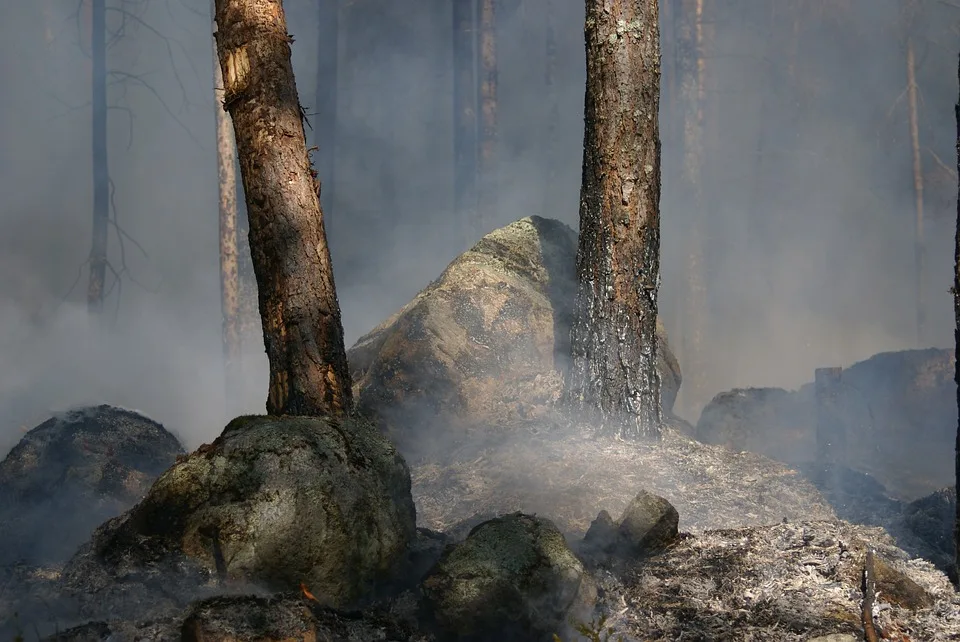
<point x="101" y="172"/>
<point x="552" y="120"/>
<point x="229" y="255"/>
<point x="918" y="239"/>
<point x="488" y="205"/>
<point x="690" y="71"/>
<point x="299" y="310"/>
<point x="956" y="340"/>
<point x="614" y="376"/>
<point x="465" y="118"/>
<point x="326" y="110"/>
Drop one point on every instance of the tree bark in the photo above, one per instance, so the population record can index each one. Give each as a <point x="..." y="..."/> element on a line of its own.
<point x="918" y="192"/>
<point x="229" y="264"/>
<point x="614" y="377"/>
<point x="101" y="172"/>
<point x="298" y="299"/>
<point x="488" y="204"/>
<point x="326" y="110"/>
<point x="956" y="341"/>
<point x="465" y="118"/>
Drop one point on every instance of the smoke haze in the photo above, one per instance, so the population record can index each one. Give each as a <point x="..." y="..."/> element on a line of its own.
<point x="808" y="212"/>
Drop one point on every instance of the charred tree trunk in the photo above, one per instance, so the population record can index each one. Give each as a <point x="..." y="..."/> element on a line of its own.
<point x="918" y="191"/>
<point x="101" y="172"/>
<point x="614" y="376"/>
<point x="465" y="117"/>
<point x="487" y="210"/>
<point x="229" y="264"/>
<point x="956" y="340"/>
<point x="326" y="111"/>
<point x="298" y="299"/>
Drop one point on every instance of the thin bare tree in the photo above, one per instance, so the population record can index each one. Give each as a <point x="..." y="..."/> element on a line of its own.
<point x="465" y="117"/>
<point x="96" y="285"/>
<point x="488" y="167"/>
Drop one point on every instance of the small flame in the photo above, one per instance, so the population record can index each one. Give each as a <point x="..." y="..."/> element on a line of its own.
<point x="306" y="592"/>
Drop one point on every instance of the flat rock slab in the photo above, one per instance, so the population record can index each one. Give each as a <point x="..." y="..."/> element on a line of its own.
<point x="73" y="472"/>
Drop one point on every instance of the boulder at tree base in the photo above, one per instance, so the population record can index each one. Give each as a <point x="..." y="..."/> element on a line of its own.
<point x="73" y="472"/>
<point x="485" y="345"/>
<point x="274" y="501"/>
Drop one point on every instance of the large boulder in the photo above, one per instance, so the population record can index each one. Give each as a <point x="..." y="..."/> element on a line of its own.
<point x="513" y="578"/>
<point x="73" y="472"/>
<point x="486" y="344"/>
<point x="897" y="410"/>
<point x="274" y="501"/>
<point x="648" y="524"/>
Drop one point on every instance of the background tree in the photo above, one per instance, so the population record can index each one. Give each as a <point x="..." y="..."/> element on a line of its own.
<point x="101" y="174"/>
<point x="613" y="341"/>
<point x="229" y="252"/>
<point x="300" y="313"/>
<point x="465" y="116"/>
<point x="326" y="110"/>
<point x="956" y="311"/>
<point x="488" y="167"/>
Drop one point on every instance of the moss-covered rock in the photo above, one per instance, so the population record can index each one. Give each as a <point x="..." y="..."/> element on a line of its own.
<point x="485" y="345"/>
<point x="513" y="578"/>
<point x="73" y="472"/>
<point x="274" y="501"/>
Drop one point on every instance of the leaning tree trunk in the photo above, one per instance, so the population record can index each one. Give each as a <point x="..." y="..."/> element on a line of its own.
<point x="229" y="263"/>
<point x="465" y="118"/>
<point x="487" y="210"/>
<point x="298" y="299"/>
<point x="614" y="374"/>
<point x="326" y="111"/>
<point x="101" y="173"/>
<point x="956" y="339"/>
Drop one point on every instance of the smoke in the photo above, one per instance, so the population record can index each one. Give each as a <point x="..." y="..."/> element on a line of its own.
<point x="808" y="215"/>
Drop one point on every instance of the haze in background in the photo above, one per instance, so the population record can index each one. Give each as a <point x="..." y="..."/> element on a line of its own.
<point x="808" y="186"/>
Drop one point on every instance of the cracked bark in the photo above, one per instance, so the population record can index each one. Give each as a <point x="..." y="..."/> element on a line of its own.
<point x="614" y="377"/>
<point x="299" y="310"/>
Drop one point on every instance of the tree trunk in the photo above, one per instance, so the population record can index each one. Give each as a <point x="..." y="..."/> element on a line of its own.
<point x="465" y="118"/>
<point x="918" y="192"/>
<point x="690" y="71"/>
<point x="326" y="110"/>
<point x="298" y="299"/>
<point x="956" y="341"/>
<point x="487" y="211"/>
<point x="229" y="264"/>
<point x="614" y="376"/>
<point x="552" y="120"/>
<point x="101" y="172"/>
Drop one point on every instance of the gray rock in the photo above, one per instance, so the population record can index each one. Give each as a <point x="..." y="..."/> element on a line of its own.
<point x="274" y="501"/>
<point x="836" y="637"/>
<point x="485" y="346"/>
<point x="931" y="519"/>
<point x="73" y="472"/>
<point x="513" y="578"/>
<point x="648" y="524"/>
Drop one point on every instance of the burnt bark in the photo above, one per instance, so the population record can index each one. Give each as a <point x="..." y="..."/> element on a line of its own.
<point x="465" y="117"/>
<point x="101" y="172"/>
<point x="229" y="264"/>
<point x="326" y="110"/>
<point x="487" y="45"/>
<point x="614" y="377"/>
<point x="956" y="340"/>
<point x="299" y="310"/>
